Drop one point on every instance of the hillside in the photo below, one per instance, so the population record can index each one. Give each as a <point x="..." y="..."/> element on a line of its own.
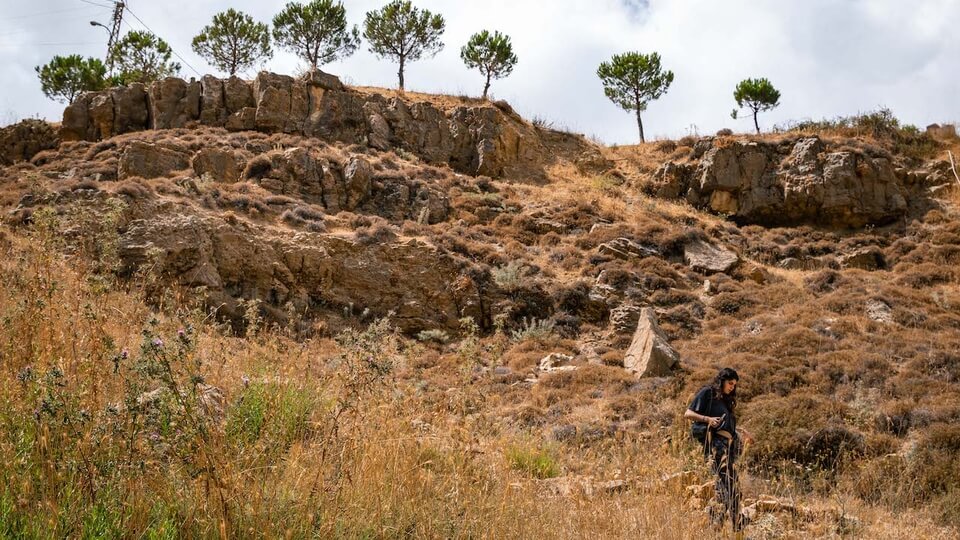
<point x="286" y="306"/>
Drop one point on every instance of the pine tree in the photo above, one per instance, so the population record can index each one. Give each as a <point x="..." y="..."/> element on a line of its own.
<point x="66" y="77"/>
<point x="492" y="54"/>
<point x="756" y="95"/>
<point x="233" y="42"/>
<point x="316" y="31"/>
<point x="404" y="33"/>
<point x="142" y="57"/>
<point x="633" y="79"/>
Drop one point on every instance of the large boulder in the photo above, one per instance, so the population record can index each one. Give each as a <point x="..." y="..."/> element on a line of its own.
<point x="281" y="101"/>
<point x="786" y="182"/>
<point x="706" y="257"/>
<point x="148" y="160"/>
<point x="650" y="354"/>
<point x="220" y="164"/>
<point x="174" y="102"/>
<point x="23" y="140"/>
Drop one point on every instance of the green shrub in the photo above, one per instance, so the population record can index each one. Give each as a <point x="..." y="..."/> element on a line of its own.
<point x="534" y="462"/>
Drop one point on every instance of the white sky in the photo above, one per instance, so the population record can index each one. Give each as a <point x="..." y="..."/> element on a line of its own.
<point x="827" y="57"/>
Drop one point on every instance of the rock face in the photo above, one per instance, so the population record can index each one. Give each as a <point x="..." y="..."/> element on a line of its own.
<point x="23" y="140"/>
<point x="483" y="140"/>
<point x="787" y="183"/>
<point x="148" y="160"/>
<point x="234" y="261"/>
<point x="650" y="354"/>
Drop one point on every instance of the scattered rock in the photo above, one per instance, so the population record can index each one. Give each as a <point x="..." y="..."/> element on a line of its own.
<point x="868" y="258"/>
<point x="625" y="248"/>
<point x="704" y="257"/>
<point x="625" y="317"/>
<point x="650" y="354"/>
<point x="879" y="311"/>
<point x="555" y="362"/>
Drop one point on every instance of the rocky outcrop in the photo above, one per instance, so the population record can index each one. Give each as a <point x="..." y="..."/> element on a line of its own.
<point x="148" y="160"/>
<point x="787" y="183"/>
<point x="650" y="354"/>
<point x="481" y="140"/>
<point x="236" y="261"/>
<point x="23" y="140"/>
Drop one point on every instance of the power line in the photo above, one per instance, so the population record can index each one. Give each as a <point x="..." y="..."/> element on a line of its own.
<point x="48" y="13"/>
<point x="175" y="53"/>
<point x="96" y="4"/>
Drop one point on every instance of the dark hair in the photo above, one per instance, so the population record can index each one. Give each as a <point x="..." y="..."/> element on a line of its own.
<point x="725" y="374"/>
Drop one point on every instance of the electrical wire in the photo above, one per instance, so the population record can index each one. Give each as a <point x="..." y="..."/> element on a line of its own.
<point x="47" y="13"/>
<point x="96" y="4"/>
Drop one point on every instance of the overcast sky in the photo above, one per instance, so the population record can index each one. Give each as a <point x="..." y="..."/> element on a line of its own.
<point x="827" y="57"/>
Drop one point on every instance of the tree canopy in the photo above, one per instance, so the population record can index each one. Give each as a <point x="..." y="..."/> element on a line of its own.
<point x="142" y="57"/>
<point x="492" y="54"/>
<point x="66" y="77"/>
<point x="233" y="41"/>
<point x="316" y="31"/>
<point x="404" y="33"/>
<point x="632" y="80"/>
<point x="757" y="95"/>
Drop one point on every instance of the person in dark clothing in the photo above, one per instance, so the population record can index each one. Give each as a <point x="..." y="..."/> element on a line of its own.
<point x="715" y="425"/>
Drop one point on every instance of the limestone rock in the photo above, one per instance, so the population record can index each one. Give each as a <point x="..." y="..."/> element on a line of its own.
<point x="650" y="354"/>
<point x="357" y="176"/>
<point x="879" y="311"/>
<point x="555" y="362"/>
<point x="867" y="258"/>
<point x="174" y="102"/>
<point x="23" y="140"/>
<point x="221" y="164"/>
<point x="625" y="248"/>
<point x="705" y="257"/>
<point x="625" y="317"/>
<point x="148" y="160"/>
<point x="792" y="182"/>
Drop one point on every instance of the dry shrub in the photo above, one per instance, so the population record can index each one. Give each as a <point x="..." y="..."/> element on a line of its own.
<point x="733" y="303"/>
<point x="305" y="216"/>
<point x="378" y="232"/>
<point x="807" y="438"/>
<point x="134" y="190"/>
<point x="924" y="275"/>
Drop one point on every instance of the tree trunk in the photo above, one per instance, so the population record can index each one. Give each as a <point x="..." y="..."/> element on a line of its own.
<point x="755" y="124"/>
<point x="400" y="73"/>
<point x="640" y="125"/>
<point x="486" y="87"/>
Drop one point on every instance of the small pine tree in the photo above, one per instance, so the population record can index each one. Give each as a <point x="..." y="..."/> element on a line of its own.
<point x="756" y="95"/>
<point x="404" y="33"/>
<point x="66" y="77"/>
<point x="142" y="57"/>
<point x="233" y="42"/>
<point x="633" y="79"/>
<point x="492" y="54"/>
<point x="316" y="31"/>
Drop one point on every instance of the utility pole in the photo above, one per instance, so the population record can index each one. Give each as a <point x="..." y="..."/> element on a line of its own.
<point x="114" y="29"/>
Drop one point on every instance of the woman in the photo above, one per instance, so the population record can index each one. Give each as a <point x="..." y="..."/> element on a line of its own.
<point x="715" y="425"/>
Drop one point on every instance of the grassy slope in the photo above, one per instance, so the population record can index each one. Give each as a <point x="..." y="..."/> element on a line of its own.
<point x="371" y="434"/>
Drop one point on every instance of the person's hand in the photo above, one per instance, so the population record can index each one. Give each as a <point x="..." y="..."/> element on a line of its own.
<point x="714" y="421"/>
